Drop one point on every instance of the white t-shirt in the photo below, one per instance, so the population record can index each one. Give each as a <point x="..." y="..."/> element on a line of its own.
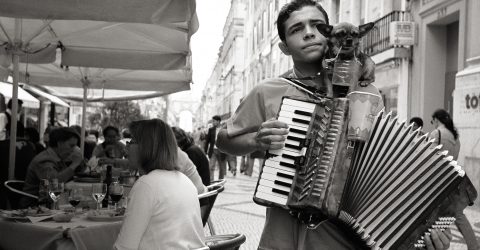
<point x="163" y="212"/>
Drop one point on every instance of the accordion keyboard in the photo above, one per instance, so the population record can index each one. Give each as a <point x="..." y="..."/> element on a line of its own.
<point x="276" y="178"/>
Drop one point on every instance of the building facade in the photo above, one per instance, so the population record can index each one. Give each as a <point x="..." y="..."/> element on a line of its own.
<point x="425" y="52"/>
<point x="446" y="71"/>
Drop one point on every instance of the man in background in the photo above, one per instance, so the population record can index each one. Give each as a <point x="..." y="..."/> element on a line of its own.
<point x="213" y="152"/>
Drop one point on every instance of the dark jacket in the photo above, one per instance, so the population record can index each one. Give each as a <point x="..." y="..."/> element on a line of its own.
<point x="200" y="160"/>
<point x="210" y="143"/>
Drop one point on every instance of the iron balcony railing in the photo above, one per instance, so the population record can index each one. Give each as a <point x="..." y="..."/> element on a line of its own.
<point x="378" y="39"/>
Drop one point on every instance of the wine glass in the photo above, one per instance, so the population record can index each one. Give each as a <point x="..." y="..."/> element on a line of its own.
<point x="99" y="190"/>
<point x="74" y="198"/>
<point x="55" y="189"/>
<point x="116" y="192"/>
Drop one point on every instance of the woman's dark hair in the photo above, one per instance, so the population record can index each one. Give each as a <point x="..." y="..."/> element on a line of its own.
<point x="157" y="147"/>
<point x="32" y="134"/>
<point x="184" y="141"/>
<point x="444" y="117"/>
<point x="60" y="135"/>
<point x="292" y="6"/>
<point x="108" y="128"/>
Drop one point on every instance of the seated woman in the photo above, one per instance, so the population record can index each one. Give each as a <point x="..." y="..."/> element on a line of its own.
<point x="60" y="160"/>
<point x="163" y="210"/>
<point x="194" y="152"/>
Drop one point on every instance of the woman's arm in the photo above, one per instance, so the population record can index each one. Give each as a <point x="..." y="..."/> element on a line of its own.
<point x="139" y="212"/>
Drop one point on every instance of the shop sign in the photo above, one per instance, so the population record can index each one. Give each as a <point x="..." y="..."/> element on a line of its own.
<point x="466" y="106"/>
<point x="402" y="33"/>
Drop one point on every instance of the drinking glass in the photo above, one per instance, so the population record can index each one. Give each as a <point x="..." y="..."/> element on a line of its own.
<point x="74" y="198"/>
<point x="99" y="190"/>
<point x="55" y="189"/>
<point x="116" y="193"/>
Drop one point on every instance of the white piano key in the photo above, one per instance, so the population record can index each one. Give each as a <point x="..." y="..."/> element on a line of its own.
<point x="272" y="198"/>
<point x="288" y="114"/>
<point x="269" y="183"/>
<point x="290" y="108"/>
<point x="276" y="164"/>
<point x="297" y="103"/>
<point x="275" y="177"/>
<point x="281" y="159"/>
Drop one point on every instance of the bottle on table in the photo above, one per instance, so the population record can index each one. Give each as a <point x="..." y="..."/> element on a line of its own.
<point x="107" y="181"/>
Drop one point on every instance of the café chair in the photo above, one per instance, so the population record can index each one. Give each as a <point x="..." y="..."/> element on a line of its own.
<point x="219" y="186"/>
<point x="224" y="242"/>
<point x="214" y="185"/>
<point x="15" y="193"/>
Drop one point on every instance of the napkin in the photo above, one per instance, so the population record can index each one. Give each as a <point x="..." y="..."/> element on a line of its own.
<point x="35" y="219"/>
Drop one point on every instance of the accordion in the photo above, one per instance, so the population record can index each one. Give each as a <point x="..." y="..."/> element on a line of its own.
<point x="388" y="190"/>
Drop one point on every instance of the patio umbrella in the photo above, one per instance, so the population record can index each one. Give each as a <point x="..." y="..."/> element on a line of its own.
<point x="130" y="45"/>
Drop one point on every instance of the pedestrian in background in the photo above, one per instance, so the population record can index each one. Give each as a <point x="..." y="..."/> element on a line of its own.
<point x="195" y="153"/>
<point x="214" y="154"/>
<point x="417" y="123"/>
<point x="446" y="134"/>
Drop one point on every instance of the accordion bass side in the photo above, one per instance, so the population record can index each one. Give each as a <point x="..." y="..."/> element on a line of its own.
<point x="398" y="186"/>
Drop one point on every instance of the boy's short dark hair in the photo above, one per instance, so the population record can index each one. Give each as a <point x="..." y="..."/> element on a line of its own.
<point x="217" y="118"/>
<point x="292" y="6"/>
<point x="114" y="129"/>
<point x="9" y="104"/>
<point x="61" y="135"/>
<point x="417" y="120"/>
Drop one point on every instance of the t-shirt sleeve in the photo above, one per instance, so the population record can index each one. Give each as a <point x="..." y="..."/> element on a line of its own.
<point x="249" y="115"/>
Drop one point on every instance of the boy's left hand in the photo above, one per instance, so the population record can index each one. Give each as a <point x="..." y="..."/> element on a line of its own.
<point x="438" y="239"/>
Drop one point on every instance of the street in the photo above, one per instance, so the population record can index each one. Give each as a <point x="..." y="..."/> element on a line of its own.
<point x="235" y="212"/>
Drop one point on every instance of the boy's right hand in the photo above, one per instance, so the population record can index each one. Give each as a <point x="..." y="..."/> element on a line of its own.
<point x="271" y="135"/>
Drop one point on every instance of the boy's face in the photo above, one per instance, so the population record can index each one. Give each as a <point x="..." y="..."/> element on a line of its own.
<point x="303" y="41"/>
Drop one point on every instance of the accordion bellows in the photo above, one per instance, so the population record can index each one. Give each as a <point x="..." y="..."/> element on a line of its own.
<point x="389" y="190"/>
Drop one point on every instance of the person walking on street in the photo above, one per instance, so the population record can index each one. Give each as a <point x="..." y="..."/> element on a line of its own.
<point x="446" y="134"/>
<point x="214" y="154"/>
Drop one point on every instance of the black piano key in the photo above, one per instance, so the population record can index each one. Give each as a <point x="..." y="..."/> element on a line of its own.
<point x="300" y="112"/>
<point x="293" y="138"/>
<point x="285" y="175"/>
<point x="278" y="191"/>
<point x="298" y="131"/>
<point x="289" y="156"/>
<point x="300" y="121"/>
<point x="281" y="183"/>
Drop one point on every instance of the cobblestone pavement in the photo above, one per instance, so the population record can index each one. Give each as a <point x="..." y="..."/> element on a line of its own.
<point x="235" y="212"/>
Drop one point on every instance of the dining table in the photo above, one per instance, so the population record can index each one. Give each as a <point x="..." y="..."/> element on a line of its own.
<point x="80" y="233"/>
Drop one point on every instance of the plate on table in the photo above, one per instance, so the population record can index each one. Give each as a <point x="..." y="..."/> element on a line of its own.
<point x="87" y="179"/>
<point x="105" y="215"/>
<point x="21" y="214"/>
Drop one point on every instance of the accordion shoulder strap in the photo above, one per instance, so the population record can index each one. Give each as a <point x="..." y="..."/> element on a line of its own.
<point x="439" y="136"/>
<point x="312" y="91"/>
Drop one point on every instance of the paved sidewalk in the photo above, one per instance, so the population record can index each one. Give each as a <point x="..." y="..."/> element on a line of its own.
<point x="235" y="212"/>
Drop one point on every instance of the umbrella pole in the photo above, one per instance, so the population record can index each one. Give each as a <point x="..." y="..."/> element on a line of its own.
<point x="84" y="114"/>
<point x="14" y="117"/>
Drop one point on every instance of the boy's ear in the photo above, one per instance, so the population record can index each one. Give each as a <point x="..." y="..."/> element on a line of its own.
<point x="325" y="29"/>
<point x="284" y="48"/>
<point x="365" y="28"/>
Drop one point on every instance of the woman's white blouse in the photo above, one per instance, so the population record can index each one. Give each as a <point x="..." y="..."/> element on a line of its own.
<point x="163" y="212"/>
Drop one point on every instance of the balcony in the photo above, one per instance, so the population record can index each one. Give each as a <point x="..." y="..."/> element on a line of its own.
<point x="378" y="39"/>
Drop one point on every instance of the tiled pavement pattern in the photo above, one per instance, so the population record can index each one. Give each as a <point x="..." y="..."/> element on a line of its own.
<point x="235" y="212"/>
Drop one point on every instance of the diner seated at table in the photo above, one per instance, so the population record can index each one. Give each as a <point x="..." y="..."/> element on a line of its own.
<point x="60" y="160"/>
<point x="163" y="210"/>
<point x="111" y="151"/>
